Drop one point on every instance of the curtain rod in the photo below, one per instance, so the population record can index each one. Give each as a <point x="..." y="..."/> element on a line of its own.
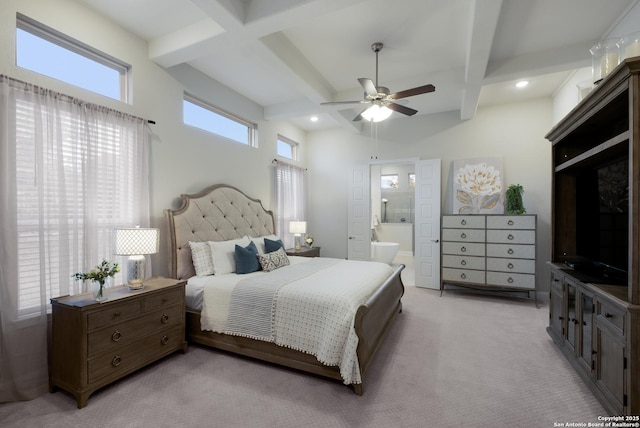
<point x="69" y="98"/>
<point x="288" y="164"/>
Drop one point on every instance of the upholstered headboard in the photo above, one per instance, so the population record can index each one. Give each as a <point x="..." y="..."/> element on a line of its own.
<point x="217" y="213"/>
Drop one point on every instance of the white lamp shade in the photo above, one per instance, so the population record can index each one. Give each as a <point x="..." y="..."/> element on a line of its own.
<point x="136" y="241"/>
<point x="298" y="227"/>
<point x="376" y="113"/>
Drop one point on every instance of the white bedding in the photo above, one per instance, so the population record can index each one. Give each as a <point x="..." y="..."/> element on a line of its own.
<point x="314" y="314"/>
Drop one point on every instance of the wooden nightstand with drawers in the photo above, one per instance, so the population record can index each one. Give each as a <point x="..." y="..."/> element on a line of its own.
<point x="304" y="252"/>
<point x="96" y="343"/>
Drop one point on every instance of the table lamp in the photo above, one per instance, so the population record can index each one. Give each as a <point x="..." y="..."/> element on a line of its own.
<point x="298" y="228"/>
<point x="135" y="242"/>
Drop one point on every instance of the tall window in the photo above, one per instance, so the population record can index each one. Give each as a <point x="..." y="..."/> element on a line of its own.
<point x="291" y="194"/>
<point x="49" y="52"/>
<point x="215" y="120"/>
<point x="287" y="148"/>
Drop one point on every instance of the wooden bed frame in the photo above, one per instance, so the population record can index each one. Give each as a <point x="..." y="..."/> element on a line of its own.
<point x="221" y="212"/>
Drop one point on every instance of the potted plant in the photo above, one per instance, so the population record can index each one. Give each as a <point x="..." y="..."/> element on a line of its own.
<point x="513" y="200"/>
<point x="99" y="277"/>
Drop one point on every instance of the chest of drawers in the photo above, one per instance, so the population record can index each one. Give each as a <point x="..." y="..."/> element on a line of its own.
<point x="489" y="251"/>
<point x="94" y="344"/>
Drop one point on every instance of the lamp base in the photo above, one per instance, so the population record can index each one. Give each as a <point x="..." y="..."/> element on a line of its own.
<point x="297" y="237"/>
<point x="135" y="272"/>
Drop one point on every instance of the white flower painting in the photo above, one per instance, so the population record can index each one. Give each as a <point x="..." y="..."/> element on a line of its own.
<point x="478" y="186"/>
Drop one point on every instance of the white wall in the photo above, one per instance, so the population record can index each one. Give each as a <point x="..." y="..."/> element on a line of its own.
<point x="515" y="132"/>
<point x="183" y="159"/>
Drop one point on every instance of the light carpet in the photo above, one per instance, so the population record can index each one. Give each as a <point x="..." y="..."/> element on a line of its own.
<point x="460" y="360"/>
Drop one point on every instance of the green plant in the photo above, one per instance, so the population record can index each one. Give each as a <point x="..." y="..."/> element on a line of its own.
<point x="100" y="273"/>
<point x="513" y="199"/>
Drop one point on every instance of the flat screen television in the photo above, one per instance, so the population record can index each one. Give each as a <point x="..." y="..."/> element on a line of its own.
<point x="602" y="222"/>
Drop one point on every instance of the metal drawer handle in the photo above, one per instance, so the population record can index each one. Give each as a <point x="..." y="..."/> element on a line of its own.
<point x="463" y="275"/>
<point x="463" y="249"/>
<point x="510" y="280"/>
<point x="510" y="251"/>
<point x="510" y="222"/>
<point x="463" y="262"/>
<point x="608" y="315"/>
<point x="510" y="237"/>
<point x="164" y="319"/>
<point x="164" y="340"/>
<point x="116" y="361"/>
<point x="510" y="265"/>
<point x="164" y="300"/>
<point x="116" y="314"/>
<point x="463" y="222"/>
<point x="463" y="235"/>
<point x="116" y="336"/>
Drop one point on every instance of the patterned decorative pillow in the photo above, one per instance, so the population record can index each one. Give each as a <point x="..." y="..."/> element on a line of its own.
<point x="271" y="245"/>
<point x="201" y="256"/>
<point x="274" y="260"/>
<point x="247" y="259"/>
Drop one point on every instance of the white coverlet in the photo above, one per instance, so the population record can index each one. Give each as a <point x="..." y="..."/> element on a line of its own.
<point x="314" y="314"/>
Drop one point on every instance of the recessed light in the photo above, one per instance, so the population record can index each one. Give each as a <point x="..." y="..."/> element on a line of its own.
<point x="521" y="84"/>
<point x="313" y="118"/>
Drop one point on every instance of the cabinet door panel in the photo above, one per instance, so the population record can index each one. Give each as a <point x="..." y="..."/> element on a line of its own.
<point x="610" y="352"/>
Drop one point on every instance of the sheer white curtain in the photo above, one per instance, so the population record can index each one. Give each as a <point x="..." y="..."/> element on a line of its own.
<point x="291" y="196"/>
<point x="70" y="172"/>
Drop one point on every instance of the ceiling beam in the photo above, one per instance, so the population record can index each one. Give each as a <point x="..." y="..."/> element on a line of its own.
<point x="484" y="20"/>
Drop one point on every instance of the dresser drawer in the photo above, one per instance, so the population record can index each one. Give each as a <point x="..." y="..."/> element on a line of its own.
<point x="123" y="334"/>
<point x="516" y="280"/>
<point x="124" y="360"/>
<point x="464" y="221"/>
<point x="463" y="235"/>
<point x="612" y="315"/>
<point x="162" y="300"/>
<point x="114" y="314"/>
<point x="511" y="222"/>
<point x="463" y="275"/>
<point x="463" y="262"/>
<point x="511" y="265"/>
<point x="511" y="251"/>
<point x="468" y="249"/>
<point x="511" y="236"/>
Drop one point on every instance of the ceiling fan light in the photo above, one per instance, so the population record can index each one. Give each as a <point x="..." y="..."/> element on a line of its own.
<point x="376" y="113"/>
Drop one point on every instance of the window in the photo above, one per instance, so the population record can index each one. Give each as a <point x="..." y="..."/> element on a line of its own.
<point x="412" y="180"/>
<point x="217" y="121"/>
<point x="49" y="52"/>
<point x="389" y="181"/>
<point x="287" y="148"/>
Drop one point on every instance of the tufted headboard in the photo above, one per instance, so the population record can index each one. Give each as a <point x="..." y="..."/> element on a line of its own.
<point x="217" y="213"/>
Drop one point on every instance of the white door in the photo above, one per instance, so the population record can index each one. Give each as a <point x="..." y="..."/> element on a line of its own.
<point x="359" y="224"/>
<point x="427" y="224"/>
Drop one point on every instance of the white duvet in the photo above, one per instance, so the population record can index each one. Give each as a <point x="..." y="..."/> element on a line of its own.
<point x="314" y="314"/>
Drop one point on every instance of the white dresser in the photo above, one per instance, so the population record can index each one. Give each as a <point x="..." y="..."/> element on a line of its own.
<point x="496" y="252"/>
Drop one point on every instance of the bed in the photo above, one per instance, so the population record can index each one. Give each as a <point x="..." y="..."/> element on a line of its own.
<point x="221" y="214"/>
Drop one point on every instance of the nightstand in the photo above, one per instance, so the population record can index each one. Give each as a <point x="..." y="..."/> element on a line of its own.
<point x="96" y="343"/>
<point x="304" y="252"/>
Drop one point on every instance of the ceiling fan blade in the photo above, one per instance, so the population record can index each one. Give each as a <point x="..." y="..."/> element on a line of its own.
<point x="411" y="92"/>
<point x="401" y="109"/>
<point x="345" y="102"/>
<point x="368" y="86"/>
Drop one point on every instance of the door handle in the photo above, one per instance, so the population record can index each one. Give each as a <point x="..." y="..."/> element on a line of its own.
<point x="435" y="240"/>
<point x="352" y="237"/>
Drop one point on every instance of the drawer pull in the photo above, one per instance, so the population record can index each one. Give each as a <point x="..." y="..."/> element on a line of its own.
<point x="608" y="315"/>
<point x="463" y="249"/>
<point x="164" y="300"/>
<point x="510" y="280"/>
<point x="463" y="235"/>
<point x="116" y="336"/>
<point x="510" y="251"/>
<point x="164" y="318"/>
<point x="510" y="265"/>
<point x="463" y="275"/>
<point x="463" y="262"/>
<point x="116" y="361"/>
<point x="510" y="222"/>
<point x="463" y="222"/>
<point x="510" y="237"/>
<point x="164" y="340"/>
<point x="116" y="314"/>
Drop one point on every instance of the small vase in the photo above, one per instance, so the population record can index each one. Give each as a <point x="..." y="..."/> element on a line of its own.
<point x="100" y="291"/>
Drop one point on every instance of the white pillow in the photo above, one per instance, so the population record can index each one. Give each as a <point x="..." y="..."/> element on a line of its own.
<point x="259" y="241"/>
<point x="201" y="256"/>
<point x="224" y="254"/>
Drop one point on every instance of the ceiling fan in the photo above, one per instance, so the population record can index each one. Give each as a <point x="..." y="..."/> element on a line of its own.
<point x="380" y="96"/>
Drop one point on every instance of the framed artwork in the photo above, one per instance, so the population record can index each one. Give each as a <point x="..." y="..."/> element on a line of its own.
<point x="389" y="181"/>
<point x="477" y="186"/>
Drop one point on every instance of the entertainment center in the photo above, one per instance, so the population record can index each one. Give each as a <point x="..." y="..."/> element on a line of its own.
<point x="594" y="310"/>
